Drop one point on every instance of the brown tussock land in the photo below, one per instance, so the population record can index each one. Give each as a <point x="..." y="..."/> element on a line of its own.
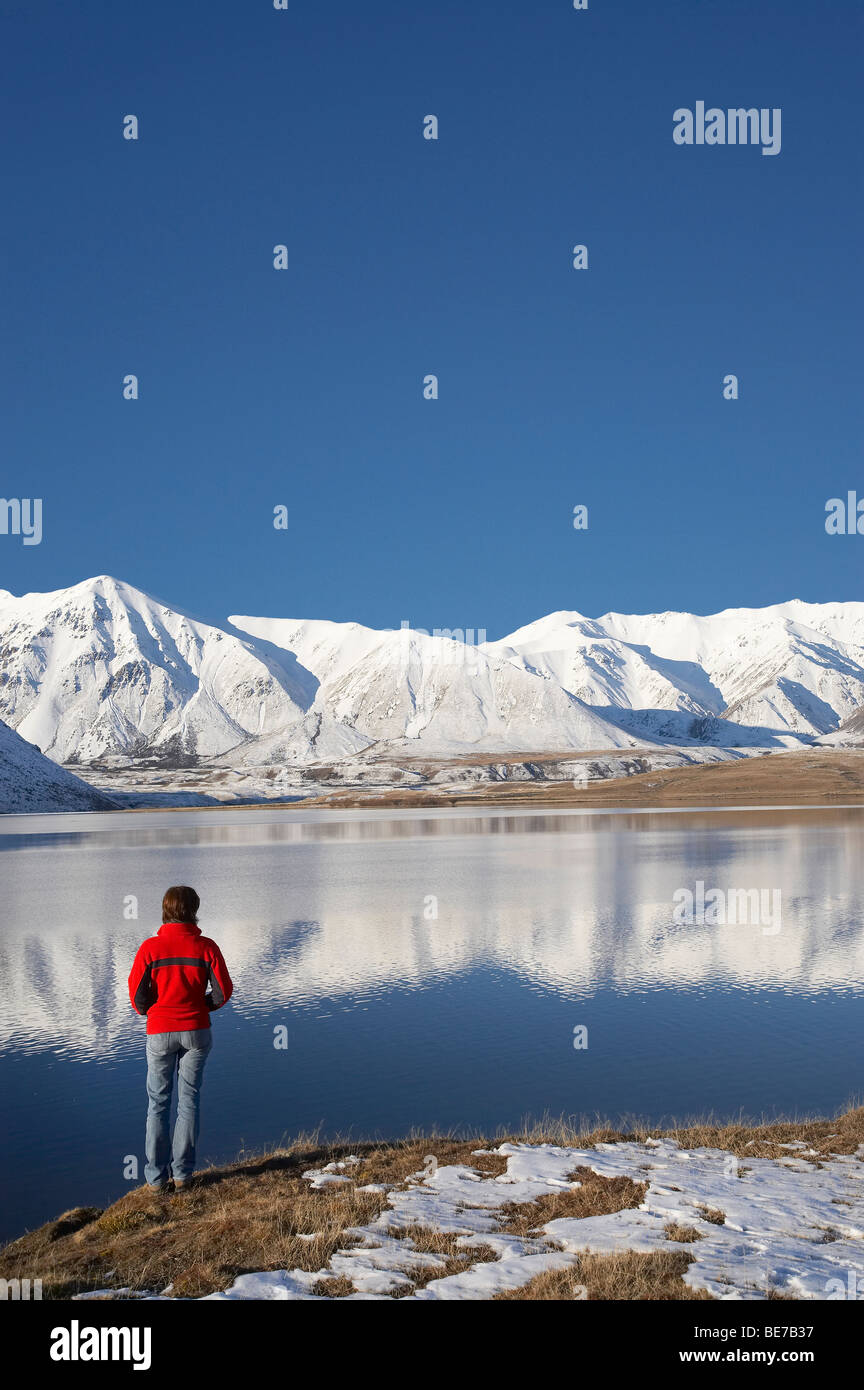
<point x="808" y="777"/>
<point x="658" y="1276"/>
<point x="597" y="1196"/>
<point x="252" y="1215"/>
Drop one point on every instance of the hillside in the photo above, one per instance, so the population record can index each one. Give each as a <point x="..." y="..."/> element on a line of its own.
<point x="30" y="782"/>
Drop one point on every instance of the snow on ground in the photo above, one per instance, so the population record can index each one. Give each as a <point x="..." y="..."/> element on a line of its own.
<point x="790" y="1225"/>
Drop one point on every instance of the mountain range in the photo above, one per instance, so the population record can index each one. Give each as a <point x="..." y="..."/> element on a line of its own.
<point x="101" y="672"/>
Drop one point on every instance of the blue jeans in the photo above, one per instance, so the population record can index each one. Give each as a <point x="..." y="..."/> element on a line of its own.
<point x="186" y="1054"/>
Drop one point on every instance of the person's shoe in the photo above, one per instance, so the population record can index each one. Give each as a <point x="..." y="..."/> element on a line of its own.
<point x="159" y="1188"/>
<point x="182" y="1184"/>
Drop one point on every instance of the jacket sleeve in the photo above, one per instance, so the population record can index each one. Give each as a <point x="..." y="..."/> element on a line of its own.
<point x="141" y="991"/>
<point x="221" y="986"/>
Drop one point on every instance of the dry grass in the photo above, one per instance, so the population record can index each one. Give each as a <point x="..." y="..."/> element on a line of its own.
<point x="746" y="1138"/>
<point x="685" y="1235"/>
<point x="396" y="1163"/>
<point x="632" y="1276"/>
<point x="337" y="1287"/>
<point x="712" y="1214"/>
<point x="247" y="1217"/>
<point x="597" y="1196"/>
<point x="253" y="1214"/>
<point x="445" y="1245"/>
<point x="454" y="1257"/>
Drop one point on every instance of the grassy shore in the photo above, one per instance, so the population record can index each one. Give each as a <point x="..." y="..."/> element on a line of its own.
<point x="260" y="1213"/>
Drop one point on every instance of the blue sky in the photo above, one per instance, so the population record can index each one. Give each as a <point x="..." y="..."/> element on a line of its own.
<point x="408" y="257"/>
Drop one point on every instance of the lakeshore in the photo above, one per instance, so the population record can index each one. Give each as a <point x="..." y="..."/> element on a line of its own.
<point x="707" y="1211"/>
<point x="818" y="776"/>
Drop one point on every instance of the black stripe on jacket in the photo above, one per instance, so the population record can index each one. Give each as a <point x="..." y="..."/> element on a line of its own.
<point x="216" y="998"/>
<point x="178" y="960"/>
<point x="145" y="994"/>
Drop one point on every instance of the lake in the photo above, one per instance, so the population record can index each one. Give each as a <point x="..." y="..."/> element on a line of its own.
<point x="396" y="1017"/>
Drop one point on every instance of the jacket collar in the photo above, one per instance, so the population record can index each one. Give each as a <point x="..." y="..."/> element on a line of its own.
<point x="169" y="928"/>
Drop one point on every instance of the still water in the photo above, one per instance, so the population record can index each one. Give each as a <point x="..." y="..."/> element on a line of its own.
<point x="396" y="1017"/>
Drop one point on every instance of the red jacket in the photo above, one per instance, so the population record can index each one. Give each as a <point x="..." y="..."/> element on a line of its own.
<point x="170" y="977"/>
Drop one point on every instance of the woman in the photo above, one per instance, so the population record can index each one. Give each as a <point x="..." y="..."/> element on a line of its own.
<point x="171" y="976"/>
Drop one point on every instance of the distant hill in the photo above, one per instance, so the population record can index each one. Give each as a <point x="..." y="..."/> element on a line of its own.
<point x="30" y="782"/>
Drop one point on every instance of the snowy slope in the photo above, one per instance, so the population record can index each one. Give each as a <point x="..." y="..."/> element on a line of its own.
<point x="102" y="668"/>
<point x="408" y="687"/>
<point x="327" y="649"/>
<point x="31" y="782"/>
<point x="783" y="1207"/>
<point x="795" y="665"/>
<point x="793" y="668"/>
<point x="579" y="654"/>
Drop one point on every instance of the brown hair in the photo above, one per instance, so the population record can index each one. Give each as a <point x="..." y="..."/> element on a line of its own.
<point x="181" y="904"/>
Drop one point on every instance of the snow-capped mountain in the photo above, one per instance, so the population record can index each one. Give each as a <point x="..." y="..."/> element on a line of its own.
<point x="405" y="688"/>
<point x="794" y="668"/>
<point x="582" y="656"/>
<point x="101" y="670"/>
<point x="30" y="782"/>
